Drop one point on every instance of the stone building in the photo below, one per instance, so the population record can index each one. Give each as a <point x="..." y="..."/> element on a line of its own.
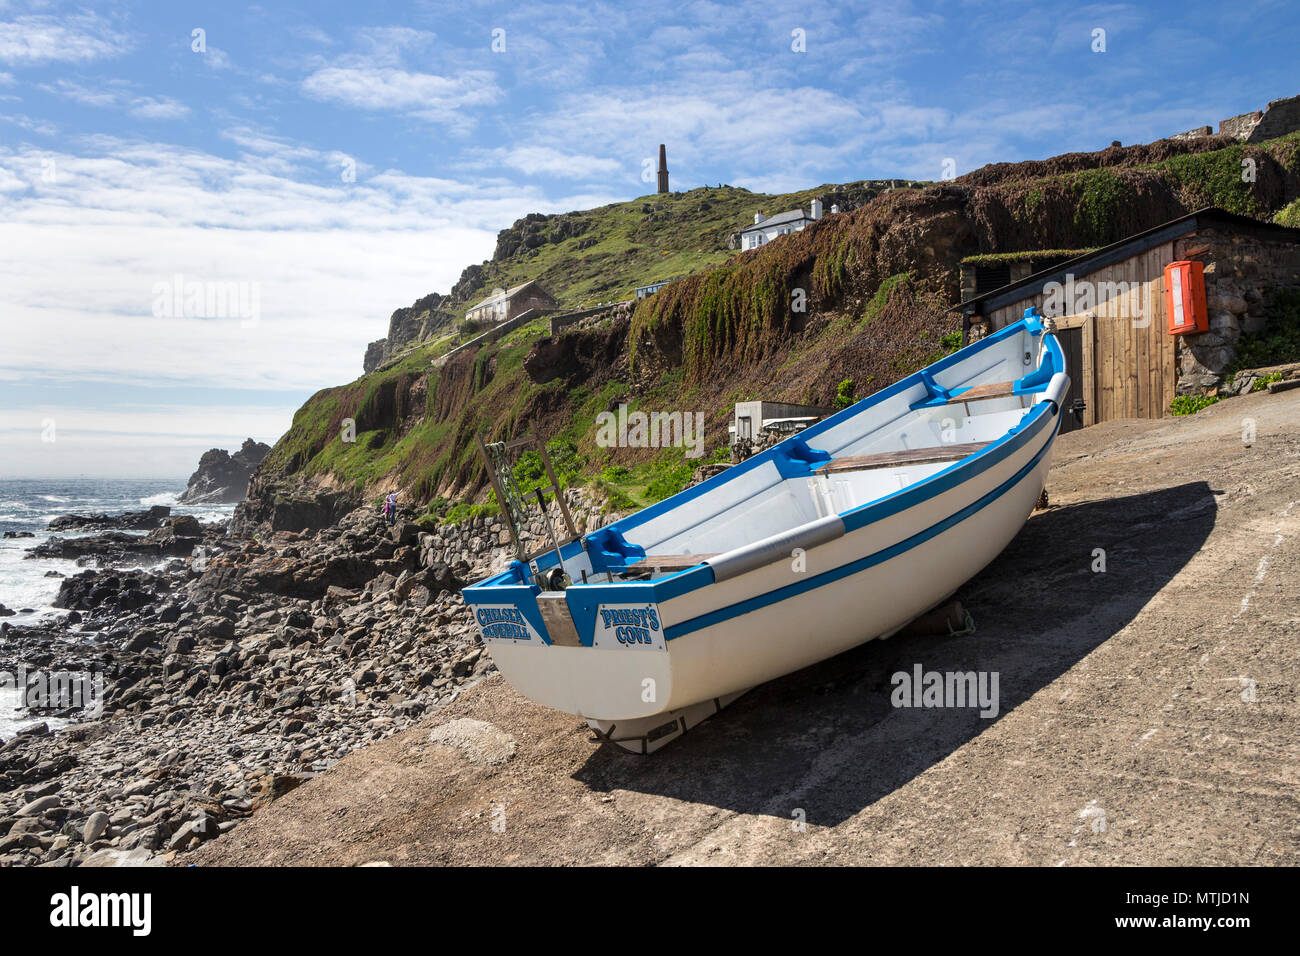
<point x="767" y="228"/>
<point x="504" y="304"/>
<point x="1109" y="307"/>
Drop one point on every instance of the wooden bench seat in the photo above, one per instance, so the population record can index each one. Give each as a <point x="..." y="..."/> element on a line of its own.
<point x="978" y="392"/>
<point x="670" y="562"/>
<point x="904" y="456"/>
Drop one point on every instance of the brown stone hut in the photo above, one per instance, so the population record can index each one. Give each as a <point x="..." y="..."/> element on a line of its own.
<point x="1109" y="308"/>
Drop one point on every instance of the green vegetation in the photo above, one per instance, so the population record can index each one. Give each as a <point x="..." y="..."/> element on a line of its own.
<point x="1033" y="201"/>
<point x="844" y="396"/>
<point x="1191" y="404"/>
<point x="1278" y="342"/>
<point x="1264" y="381"/>
<point x="1216" y="178"/>
<point x="999" y="258"/>
<point x="603" y="254"/>
<point x="1099" y="193"/>
<point x="744" y="306"/>
<point x="640" y="485"/>
<point x="1289" y="215"/>
<point x="878" y="301"/>
<point x="457" y="514"/>
<point x="529" y="473"/>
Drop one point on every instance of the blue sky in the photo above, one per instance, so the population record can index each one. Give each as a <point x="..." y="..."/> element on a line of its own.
<point x="332" y="162"/>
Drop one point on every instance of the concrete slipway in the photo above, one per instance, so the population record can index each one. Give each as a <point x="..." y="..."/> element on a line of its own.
<point x="1148" y="714"/>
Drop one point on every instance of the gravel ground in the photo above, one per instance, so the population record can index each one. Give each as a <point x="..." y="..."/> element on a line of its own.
<point x="1147" y="713"/>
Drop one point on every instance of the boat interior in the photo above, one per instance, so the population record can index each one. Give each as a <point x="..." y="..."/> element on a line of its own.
<point x="890" y="441"/>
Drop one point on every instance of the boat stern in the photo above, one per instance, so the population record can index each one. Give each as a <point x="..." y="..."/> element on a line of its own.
<point x="606" y="660"/>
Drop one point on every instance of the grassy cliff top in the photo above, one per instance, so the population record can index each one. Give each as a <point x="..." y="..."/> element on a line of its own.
<point x="604" y="254"/>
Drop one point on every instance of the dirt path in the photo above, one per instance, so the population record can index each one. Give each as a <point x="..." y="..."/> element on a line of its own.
<point x="1148" y="714"/>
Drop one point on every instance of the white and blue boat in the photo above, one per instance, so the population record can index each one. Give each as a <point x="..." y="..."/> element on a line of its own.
<point x="839" y="534"/>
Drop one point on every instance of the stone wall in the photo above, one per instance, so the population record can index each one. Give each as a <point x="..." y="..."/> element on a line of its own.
<point x="1241" y="126"/>
<point x="1278" y="118"/>
<point x="1242" y="274"/>
<point x="562" y="320"/>
<point x="491" y="335"/>
<point x="484" y="543"/>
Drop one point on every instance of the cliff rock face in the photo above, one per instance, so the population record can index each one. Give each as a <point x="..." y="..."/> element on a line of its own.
<point x="222" y="478"/>
<point x="408" y="326"/>
<point x="374" y="355"/>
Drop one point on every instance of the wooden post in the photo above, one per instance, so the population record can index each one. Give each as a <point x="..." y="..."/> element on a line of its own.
<point x="559" y="494"/>
<point x="501" y="498"/>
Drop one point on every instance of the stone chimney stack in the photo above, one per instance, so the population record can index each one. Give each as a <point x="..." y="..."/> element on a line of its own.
<point x="816" y="209"/>
<point x="663" y="169"/>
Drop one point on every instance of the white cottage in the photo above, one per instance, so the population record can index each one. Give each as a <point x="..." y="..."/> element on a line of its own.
<point x="765" y="229"/>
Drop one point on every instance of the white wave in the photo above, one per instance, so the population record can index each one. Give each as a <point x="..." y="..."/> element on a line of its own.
<point x="166" y="498"/>
<point x="13" y="719"/>
<point x="211" y="513"/>
<point x="57" y="499"/>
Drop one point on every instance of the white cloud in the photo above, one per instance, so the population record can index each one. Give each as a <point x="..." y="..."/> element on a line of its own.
<point x="713" y="120"/>
<point x="23" y="121"/>
<point x="547" y="160"/>
<point x="387" y="88"/>
<point x="9" y="182"/>
<point x="118" y="94"/>
<point x="158" y="107"/>
<point x="390" y="45"/>
<point x="330" y="261"/>
<point x="73" y="39"/>
<point x="106" y="93"/>
<point x="216" y="59"/>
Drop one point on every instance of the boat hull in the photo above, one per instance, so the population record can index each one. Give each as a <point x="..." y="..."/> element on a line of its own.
<point x="827" y="607"/>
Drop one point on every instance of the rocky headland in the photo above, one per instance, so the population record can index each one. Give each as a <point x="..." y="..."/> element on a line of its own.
<point x="222" y="478"/>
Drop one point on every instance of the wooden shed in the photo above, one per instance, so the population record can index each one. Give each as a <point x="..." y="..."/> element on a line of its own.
<point x="1109" y="308"/>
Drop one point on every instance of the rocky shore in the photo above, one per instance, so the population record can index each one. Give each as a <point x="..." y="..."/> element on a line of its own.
<point x="223" y="679"/>
<point x="111" y="546"/>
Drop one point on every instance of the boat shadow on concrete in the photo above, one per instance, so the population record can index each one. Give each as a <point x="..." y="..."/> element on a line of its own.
<point x="827" y="739"/>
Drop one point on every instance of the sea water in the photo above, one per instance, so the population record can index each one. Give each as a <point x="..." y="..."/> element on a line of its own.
<point x="28" y="504"/>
